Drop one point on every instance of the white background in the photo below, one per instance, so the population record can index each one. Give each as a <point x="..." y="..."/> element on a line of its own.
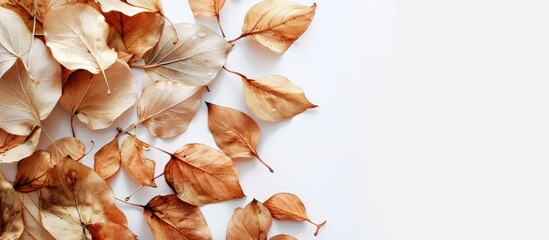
<point x="433" y="121"/>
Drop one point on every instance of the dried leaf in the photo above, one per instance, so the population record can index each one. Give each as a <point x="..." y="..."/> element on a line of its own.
<point x="15" y="37"/>
<point x="171" y="218"/>
<point x="287" y="206"/>
<point x="132" y="7"/>
<point x="79" y="40"/>
<point x="234" y="132"/>
<point x="75" y="196"/>
<point x="85" y="96"/>
<point x="31" y="171"/>
<point x="6" y="60"/>
<point x="277" y="24"/>
<point x="11" y="215"/>
<point x="14" y="148"/>
<point x="109" y="231"/>
<point x="138" y="167"/>
<point x="115" y="42"/>
<point x="167" y="108"/>
<point x="107" y="159"/>
<point x="137" y="37"/>
<point x="206" y="7"/>
<point x="251" y="223"/>
<point x="275" y="98"/>
<point x="26" y="10"/>
<point x="31" y="218"/>
<point x="200" y="175"/>
<point x="66" y="147"/>
<point x="40" y="63"/>
<point x="194" y="60"/>
<point x="283" y="237"/>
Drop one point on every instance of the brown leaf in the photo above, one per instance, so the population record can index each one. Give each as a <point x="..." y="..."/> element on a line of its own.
<point x="66" y="147"/>
<point x="110" y="231"/>
<point x="167" y="108"/>
<point x="138" y="167"/>
<point x="283" y="237"/>
<point x="107" y="160"/>
<point x="75" y="196"/>
<point x="200" y="175"/>
<point x="14" y="148"/>
<point x="277" y="24"/>
<point x="275" y="98"/>
<point x="11" y="215"/>
<point x="171" y="218"/>
<point x="115" y="42"/>
<point x="251" y="223"/>
<point x="31" y="218"/>
<point x="31" y="171"/>
<point x="136" y="36"/>
<point x="194" y="60"/>
<point x="26" y="10"/>
<point x="234" y="132"/>
<point x="287" y="206"/>
<point x="208" y="8"/>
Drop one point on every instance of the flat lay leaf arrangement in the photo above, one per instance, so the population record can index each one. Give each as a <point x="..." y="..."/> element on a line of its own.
<point x="80" y="54"/>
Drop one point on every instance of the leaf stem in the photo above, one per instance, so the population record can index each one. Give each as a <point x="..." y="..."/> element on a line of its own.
<point x="238" y="38"/>
<point x="318" y="226"/>
<point x="173" y="25"/>
<point x="236" y="73"/>
<point x="140" y="187"/>
<point x="261" y="161"/>
<point x="219" y="24"/>
<point x="139" y="66"/>
<point x="130" y="203"/>
<point x="120" y="131"/>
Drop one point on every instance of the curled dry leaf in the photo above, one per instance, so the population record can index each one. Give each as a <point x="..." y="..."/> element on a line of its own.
<point x="275" y="98"/>
<point x="277" y="24"/>
<point x="138" y="167"/>
<point x="194" y="60"/>
<point x="208" y="8"/>
<point x="66" y="147"/>
<point x="200" y="175"/>
<point x="85" y="96"/>
<point x="31" y="218"/>
<point x="31" y="171"/>
<point x="283" y="237"/>
<point x="234" y="132"/>
<point x="287" y="206"/>
<point x="107" y="159"/>
<point x="16" y="37"/>
<point x="73" y="197"/>
<point x="11" y="215"/>
<point x="14" y="148"/>
<point x="251" y="223"/>
<point x="171" y="218"/>
<point x="109" y="231"/>
<point x="167" y="108"/>
<point x="79" y="40"/>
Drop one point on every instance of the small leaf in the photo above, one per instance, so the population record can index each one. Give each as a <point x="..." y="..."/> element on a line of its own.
<point x="11" y="215"/>
<point x="251" y="223"/>
<point x="66" y="147"/>
<point x="283" y="237"/>
<point x="200" y="175"/>
<point x="14" y="148"/>
<point x="167" y="108"/>
<point x="277" y="24"/>
<point x="275" y="98"/>
<point x="31" y="171"/>
<point x="107" y="160"/>
<point x="171" y="218"/>
<point x="234" y="132"/>
<point x="287" y="206"/>
<point x="138" y="167"/>
<point x="109" y="231"/>
<point x="31" y="218"/>
<point x="208" y="8"/>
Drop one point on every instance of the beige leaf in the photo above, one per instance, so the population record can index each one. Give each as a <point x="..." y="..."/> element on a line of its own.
<point x="194" y="60"/>
<point x="66" y="147"/>
<point x="15" y="37"/>
<point x="26" y="9"/>
<point x="138" y="167"/>
<point x="287" y="206"/>
<point x="31" y="171"/>
<point x="167" y="108"/>
<point x="107" y="159"/>
<point x="170" y="218"/>
<point x="40" y="63"/>
<point x="11" y="215"/>
<point x="85" y="96"/>
<point x="31" y="218"/>
<point x="277" y="24"/>
<point x="75" y="196"/>
<point x="79" y="40"/>
<point x="275" y="98"/>
<point x="6" y="60"/>
<point x="200" y="175"/>
<point x="123" y="7"/>
<point x="234" y="132"/>
<point x="108" y="231"/>
<point x="251" y="223"/>
<point x="206" y="7"/>
<point x="283" y="237"/>
<point x="115" y="42"/>
<point x="147" y="4"/>
<point x="15" y="148"/>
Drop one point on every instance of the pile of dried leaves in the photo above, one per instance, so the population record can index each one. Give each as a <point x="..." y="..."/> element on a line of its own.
<point x="80" y="54"/>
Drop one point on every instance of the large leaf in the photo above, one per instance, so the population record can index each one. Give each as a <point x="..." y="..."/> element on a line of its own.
<point x="14" y="148"/>
<point x="15" y="37"/>
<point x="194" y="60"/>
<point x="31" y="218"/>
<point x="131" y="7"/>
<point x="11" y="215"/>
<point x="251" y="223"/>
<point x="66" y="147"/>
<point x="32" y="170"/>
<point x="206" y="7"/>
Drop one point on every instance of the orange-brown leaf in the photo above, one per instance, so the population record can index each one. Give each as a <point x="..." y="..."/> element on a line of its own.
<point x="31" y="171"/>
<point x="171" y="218"/>
<point x="275" y="98"/>
<point x="251" y="223"/>
<point x="11" y="215"/>
<point x="138" y="167"/>
<point x="206" y="7"/>
<point x="110" y="231"/>
<point x="283" y="237"/>
<point x="107" y="160"/>
<point x="287" y="206"/>
<point x="66" y="147"/>
<point x="14" y="148"/>
<point x="200" y="175"/>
